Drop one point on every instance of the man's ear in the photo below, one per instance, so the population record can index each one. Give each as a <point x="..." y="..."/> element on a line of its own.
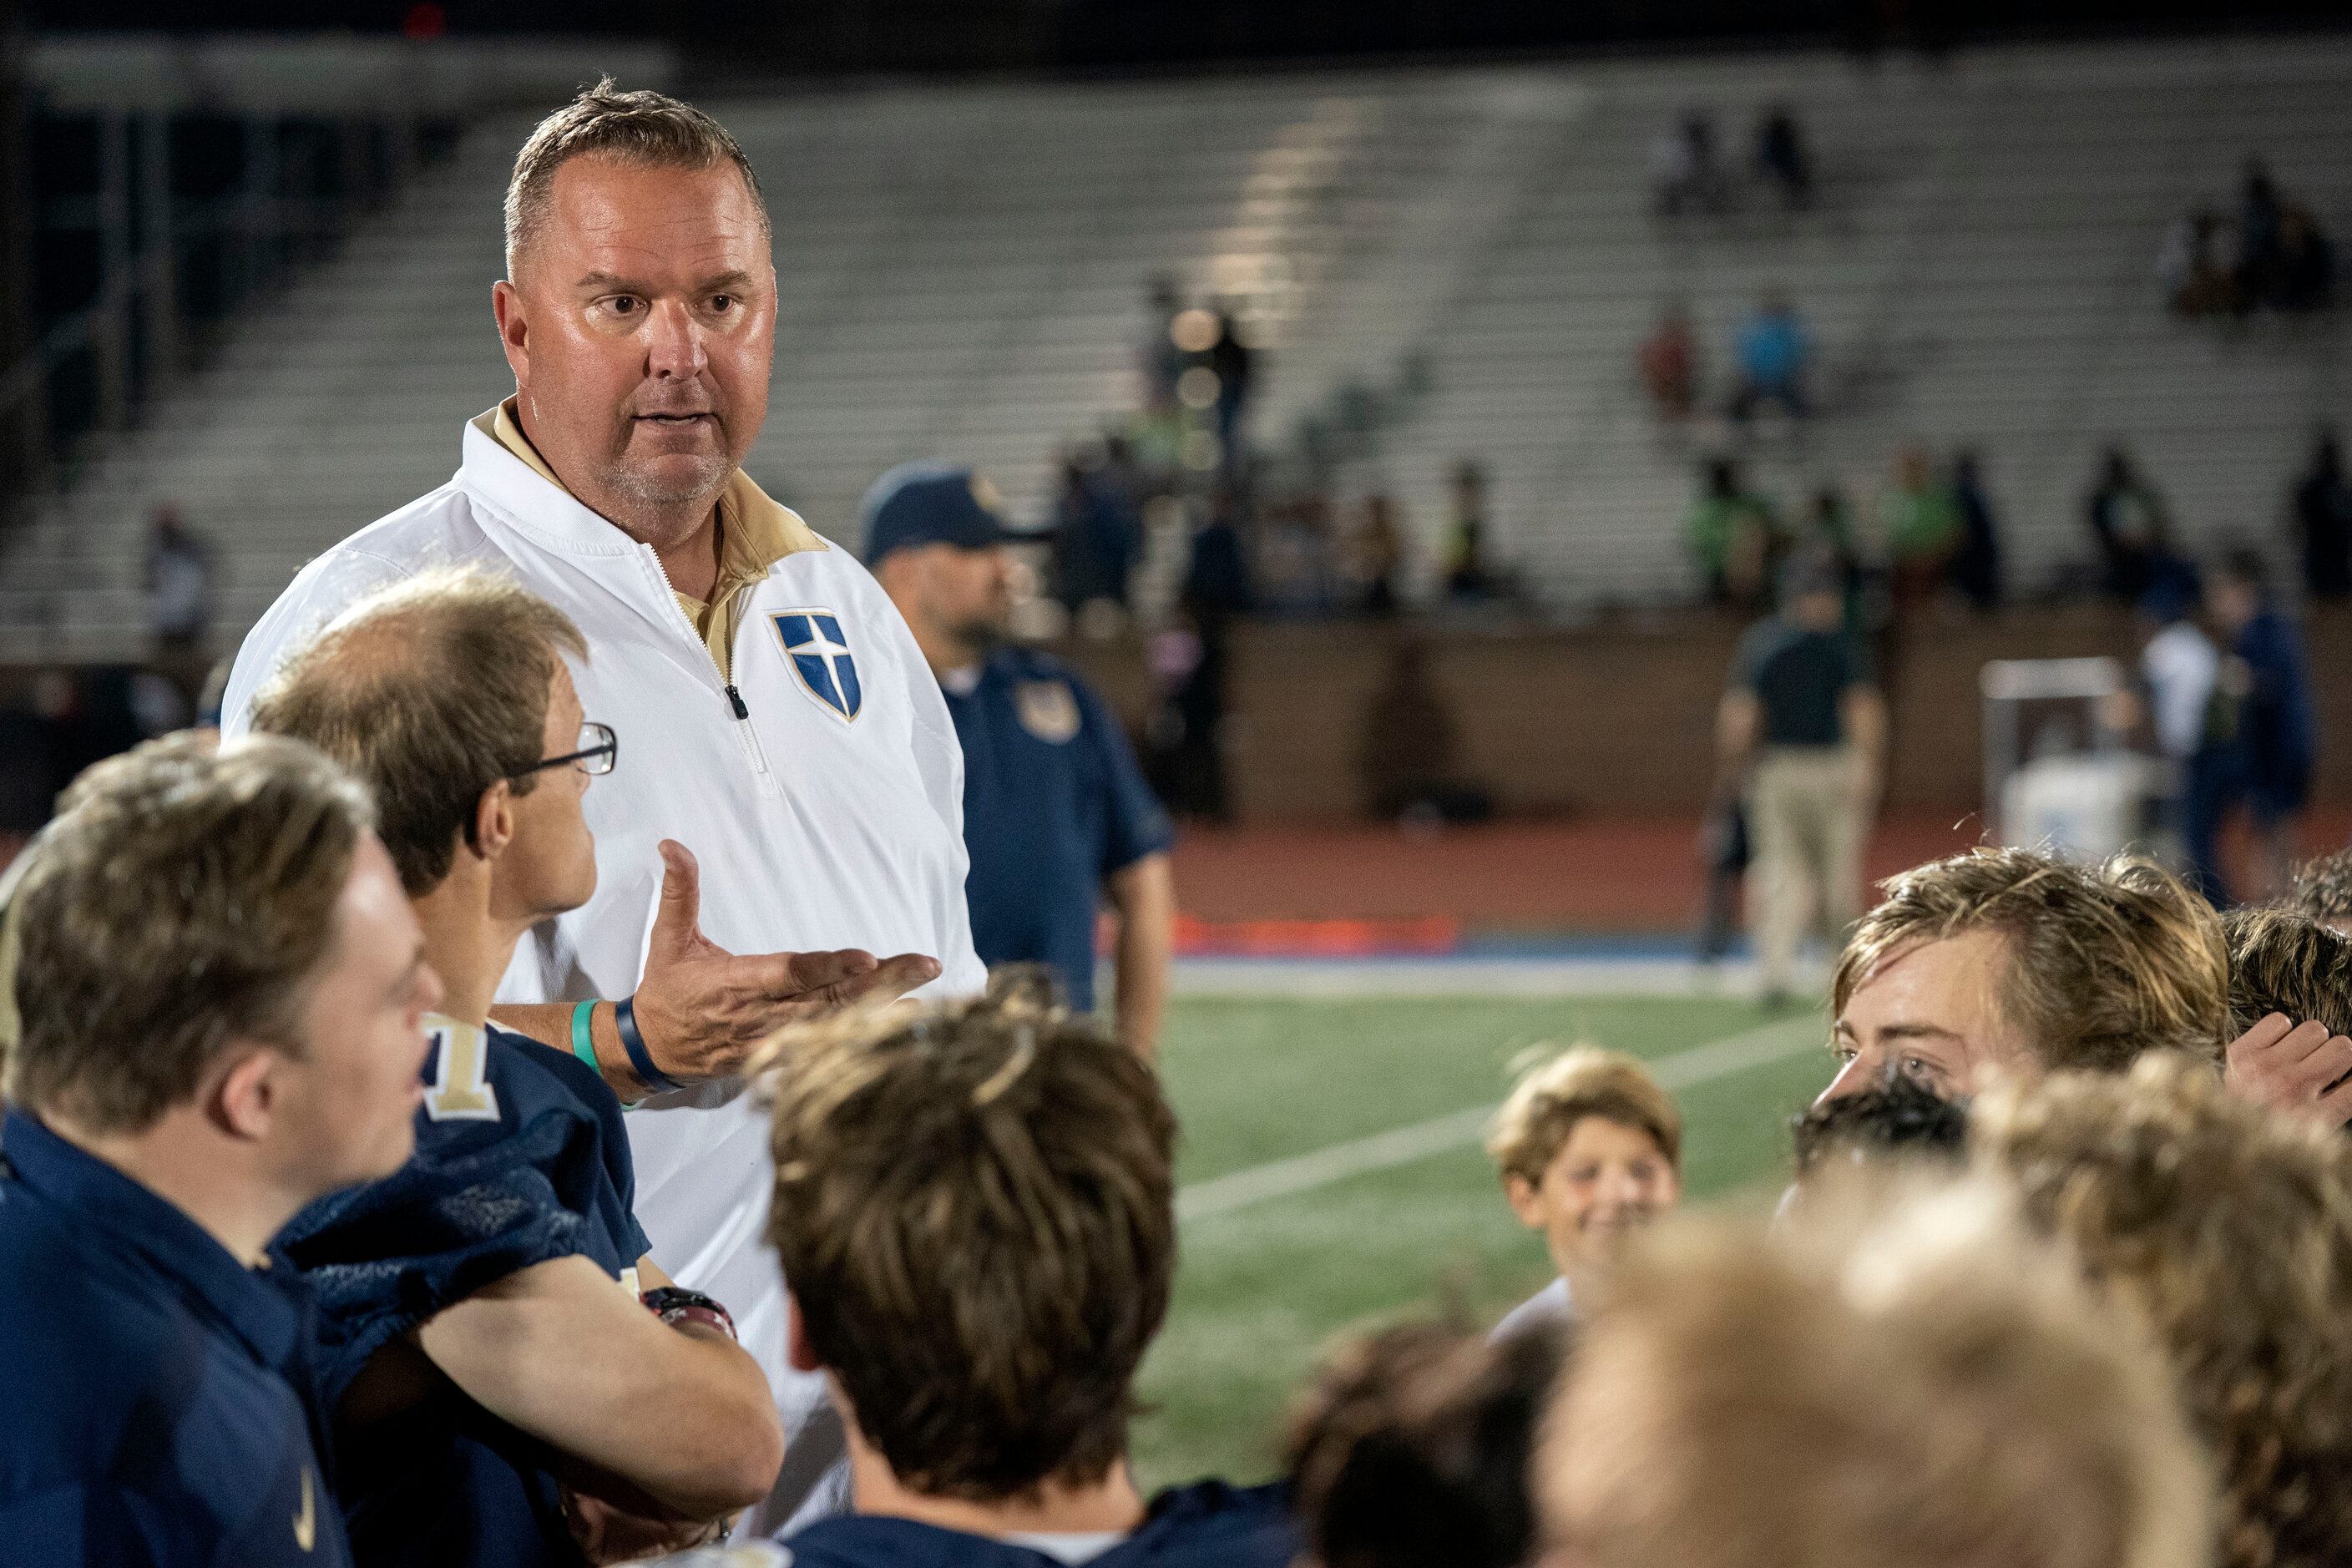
<point x="247" y="1097"/>
<point x="494" y="825"/>
<point x="797" y="1349"/>
<point x="514" y="336"/>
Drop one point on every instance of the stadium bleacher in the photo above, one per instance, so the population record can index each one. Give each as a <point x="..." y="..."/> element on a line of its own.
<point x="963" y="269"/>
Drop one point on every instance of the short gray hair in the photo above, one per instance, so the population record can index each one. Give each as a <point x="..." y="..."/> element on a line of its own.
<point x="642" y="128"/>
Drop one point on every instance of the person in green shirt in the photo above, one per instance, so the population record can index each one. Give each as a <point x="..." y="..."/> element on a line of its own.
<point x="1921" y="525"/>
<point x="1732" y="535"/>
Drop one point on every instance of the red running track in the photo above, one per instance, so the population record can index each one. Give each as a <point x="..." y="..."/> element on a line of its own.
<point x="1592" y="875"/>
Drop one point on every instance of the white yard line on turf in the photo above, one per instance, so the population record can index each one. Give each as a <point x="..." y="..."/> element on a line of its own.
<point x="1401" y="1145"/>
<point x="1443" y="976"/>
<point x="1595" y="974"/>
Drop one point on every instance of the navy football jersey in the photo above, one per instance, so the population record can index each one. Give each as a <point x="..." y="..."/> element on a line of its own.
<point x="157" y="1407"/>
<point x="1206" y="1525"/>
<point x="520" y="1158"/>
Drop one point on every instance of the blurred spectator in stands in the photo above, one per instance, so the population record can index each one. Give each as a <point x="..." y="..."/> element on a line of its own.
<point x="1826" y="530"/>
<point x="1190" y="659"/>
<point x="1412" y="750"/>
<point x="2197" y="275"/>
<point x="1921" y="525"/>
<point x="1772" y="351"/>
<point x="2126" y="517"/>
<point x="1298" y="566"/>
<point x="2306" y="262"/>
<point x="1685" y="176"/>
<point x="1217" y="582"/>
<point x="1802" y="733"/>
<point x="2275" y="735"/>
<point x="32" y="761"/>
<point x="2323" y="522"/>
<point x="2180" y="671"/>
<point x="1376" y="556"/>
<point x="2260" y="215"/>
<point x="1156" y="438"/>
<point x="1160" y="361"/>
<point x="1668" y="360"/>
<point x="1469" y="575"/>
<point x="1732" y="536"/>
<point x="179" y="580"/>
<point x="1097" y="531"/>
<point x="1782" y="163"/>
<point x="1183" y="740"/>
<point x="1976" y="565"/>
<point x="1828" y="525"/>
<point x="1235" y="365"/>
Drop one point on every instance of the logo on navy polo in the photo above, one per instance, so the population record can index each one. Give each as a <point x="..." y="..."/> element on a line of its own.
<point x="820" y="656"/>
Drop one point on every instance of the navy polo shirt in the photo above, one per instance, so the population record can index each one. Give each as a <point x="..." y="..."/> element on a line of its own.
<point x="520" y="1158"/>
<point x="1053" y="802"/>
<point x="1799" y="677"/>
<point x="156" y="1406"/>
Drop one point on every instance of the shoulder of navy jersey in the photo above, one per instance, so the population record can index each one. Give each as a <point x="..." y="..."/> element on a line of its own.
<point x="158" y="1406"/>
<point x="1207" y="1525"/>
<point x="545" y="1174"/>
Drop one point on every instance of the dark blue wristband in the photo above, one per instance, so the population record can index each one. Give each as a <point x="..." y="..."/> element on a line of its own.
<point x="641" y="1060"/>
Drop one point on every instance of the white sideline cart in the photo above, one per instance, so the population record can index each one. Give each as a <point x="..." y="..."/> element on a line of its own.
<point x="2058" y="773"/>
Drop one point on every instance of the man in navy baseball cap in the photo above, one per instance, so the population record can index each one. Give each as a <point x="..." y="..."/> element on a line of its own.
<point x="917" y="504"/>
<point x="1056" y="815"/>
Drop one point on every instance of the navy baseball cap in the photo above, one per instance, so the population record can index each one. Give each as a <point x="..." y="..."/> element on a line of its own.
<point x="930" y="504"/>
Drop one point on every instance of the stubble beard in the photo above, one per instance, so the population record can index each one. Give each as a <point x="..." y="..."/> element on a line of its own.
<point x="668" y="506"/>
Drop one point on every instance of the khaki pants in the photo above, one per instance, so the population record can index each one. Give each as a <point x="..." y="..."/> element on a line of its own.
<point x="1807" y="831"/>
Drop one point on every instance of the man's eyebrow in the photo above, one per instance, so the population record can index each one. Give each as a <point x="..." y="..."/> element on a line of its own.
<point x="1917" y="1032"/>
<point x="734" y="279"/>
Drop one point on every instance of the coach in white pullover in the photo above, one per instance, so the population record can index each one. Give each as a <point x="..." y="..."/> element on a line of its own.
<point x="773" y="712"/>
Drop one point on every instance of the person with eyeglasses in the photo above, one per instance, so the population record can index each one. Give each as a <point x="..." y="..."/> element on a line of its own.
<point x="514" y="1381"/>
<point x="785" y="726"/>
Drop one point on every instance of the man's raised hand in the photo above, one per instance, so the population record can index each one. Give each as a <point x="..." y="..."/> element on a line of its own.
<point x="702" y="1009"/>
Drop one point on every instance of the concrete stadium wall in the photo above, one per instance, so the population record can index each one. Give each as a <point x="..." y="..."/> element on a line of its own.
<point x="1617" y="718"/>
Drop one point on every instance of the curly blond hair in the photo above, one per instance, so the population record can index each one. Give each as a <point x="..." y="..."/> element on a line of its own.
<point x="2104" y="962"/>
<point x="2230" y="1229"/>
<point x="1550" y="1098"/>
<point x="1902" y="1378"/>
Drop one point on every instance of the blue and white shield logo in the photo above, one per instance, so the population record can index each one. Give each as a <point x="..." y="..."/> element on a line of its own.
<point x="820" y="656"/>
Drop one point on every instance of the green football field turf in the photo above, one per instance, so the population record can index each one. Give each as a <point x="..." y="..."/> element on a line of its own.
<point x="1262" y="1290"/>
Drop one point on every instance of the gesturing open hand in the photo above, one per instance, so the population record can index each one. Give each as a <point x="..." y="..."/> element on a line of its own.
<point x="702" y="1009"/>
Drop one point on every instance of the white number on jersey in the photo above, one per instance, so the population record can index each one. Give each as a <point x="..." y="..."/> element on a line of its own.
<point x="461" y="1090"/>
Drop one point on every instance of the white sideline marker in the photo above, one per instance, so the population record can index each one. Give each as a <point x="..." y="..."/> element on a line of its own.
<point x="1401" y="1145"/>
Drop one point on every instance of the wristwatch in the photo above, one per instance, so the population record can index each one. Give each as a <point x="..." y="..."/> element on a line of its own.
<point x="675" y="1305"/>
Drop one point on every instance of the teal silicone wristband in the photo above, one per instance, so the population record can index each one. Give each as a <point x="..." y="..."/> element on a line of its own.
<point x="582" y="1045"/>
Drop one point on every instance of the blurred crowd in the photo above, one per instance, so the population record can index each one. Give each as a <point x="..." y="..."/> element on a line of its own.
<point x="2270" y="252"/>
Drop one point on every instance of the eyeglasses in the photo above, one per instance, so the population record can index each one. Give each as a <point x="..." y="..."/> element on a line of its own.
<point x="599" y="749"/>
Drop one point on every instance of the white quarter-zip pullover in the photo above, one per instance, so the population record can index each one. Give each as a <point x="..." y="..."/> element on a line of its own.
<point x="823" y="797"/>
